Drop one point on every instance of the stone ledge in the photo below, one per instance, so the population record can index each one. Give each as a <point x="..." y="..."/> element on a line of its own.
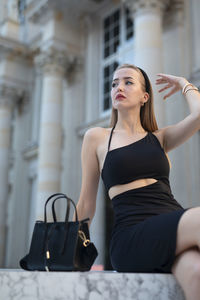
<point x="93" y="285"/>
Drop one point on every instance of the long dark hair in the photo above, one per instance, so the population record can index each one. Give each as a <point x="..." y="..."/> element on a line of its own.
<point x="147" y="115"/>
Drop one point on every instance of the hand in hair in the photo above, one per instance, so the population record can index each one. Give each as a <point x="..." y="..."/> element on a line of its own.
<point x="174" y="82"/>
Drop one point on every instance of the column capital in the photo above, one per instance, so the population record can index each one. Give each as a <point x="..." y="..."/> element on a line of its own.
<point x="174" y="14"/>
<point x="53" y="61"/>
<point x="8" y="95"/>
<point x="143" y="6"/>
<point x="11" y="96"/>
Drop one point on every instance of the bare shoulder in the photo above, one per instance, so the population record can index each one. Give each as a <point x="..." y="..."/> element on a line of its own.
<point x="159" y="134"/>
<point x="95" y="133"/>
<point x="96" y="136"/>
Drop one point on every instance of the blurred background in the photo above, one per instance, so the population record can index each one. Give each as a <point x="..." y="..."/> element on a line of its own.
<point x="57" y="58"/>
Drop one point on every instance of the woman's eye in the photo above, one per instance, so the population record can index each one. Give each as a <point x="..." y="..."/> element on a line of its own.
<point x="129" y="82"/>
<point x="113" y="84"/>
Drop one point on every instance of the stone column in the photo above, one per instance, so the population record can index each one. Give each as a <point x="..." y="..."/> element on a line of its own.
<point x="147" y="15"/>
<point x="194" y="33"/>
<point x="6" y="103"/>
<point x="50" y="142"/>
<point x="10" y="26"/>
<point x="90" y="28"/>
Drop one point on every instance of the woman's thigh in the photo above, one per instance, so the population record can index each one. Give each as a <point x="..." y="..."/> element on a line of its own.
<point x="188" y="230"/>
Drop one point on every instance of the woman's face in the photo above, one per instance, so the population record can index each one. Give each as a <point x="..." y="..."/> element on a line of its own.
<point x="127" y="89"/>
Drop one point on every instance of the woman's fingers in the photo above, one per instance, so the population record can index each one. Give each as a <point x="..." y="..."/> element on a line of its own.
<point x="164" y="78"/>
<point x="174" y="90"/>
<point x="167" y="76"/>
<point x="170" y="81"/>
<point x="165" y="88"/>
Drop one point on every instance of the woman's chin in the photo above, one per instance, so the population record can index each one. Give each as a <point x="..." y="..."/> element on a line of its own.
<point x="120" y="104"/>
<point x="125" y="107"/>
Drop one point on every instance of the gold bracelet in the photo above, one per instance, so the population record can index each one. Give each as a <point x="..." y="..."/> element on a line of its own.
<point x="184" y="90"/>
<point x="194" y="89"/>
<point x="185" y="86"/>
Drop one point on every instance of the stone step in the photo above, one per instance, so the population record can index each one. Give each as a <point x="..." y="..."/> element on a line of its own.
<point x="93" y="285"/>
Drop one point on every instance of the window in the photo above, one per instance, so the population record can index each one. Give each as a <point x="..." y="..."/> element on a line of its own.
<point x="108" y="73"/>
<point x="129" y="24"/>
<point x="117" y="31"/>
<point x="111" y="33"/>
<point x="21" y="10"/>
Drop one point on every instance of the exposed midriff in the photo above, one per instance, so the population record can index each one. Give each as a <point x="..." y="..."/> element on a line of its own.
<point x="120" y="188"/>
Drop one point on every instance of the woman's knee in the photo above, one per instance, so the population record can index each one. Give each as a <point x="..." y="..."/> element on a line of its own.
<point x="188" y="230"/>
<point x="187" y="265"/>
<point x="186" y="270"/>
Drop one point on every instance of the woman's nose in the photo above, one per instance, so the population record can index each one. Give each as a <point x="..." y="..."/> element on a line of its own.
<point x="120" y="87"/>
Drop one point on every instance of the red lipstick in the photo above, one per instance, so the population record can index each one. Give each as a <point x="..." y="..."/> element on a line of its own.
<point x="119" y="96"/>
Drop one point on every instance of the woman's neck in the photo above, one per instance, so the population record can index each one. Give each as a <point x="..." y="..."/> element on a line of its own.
<point x="131" y="124"/>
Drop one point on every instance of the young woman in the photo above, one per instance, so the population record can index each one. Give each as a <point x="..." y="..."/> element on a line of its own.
<point x="152" y="231"/>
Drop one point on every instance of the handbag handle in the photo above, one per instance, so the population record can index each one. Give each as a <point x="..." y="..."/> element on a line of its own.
<point x="67" y="211"/>
<point x="61" y="195"/>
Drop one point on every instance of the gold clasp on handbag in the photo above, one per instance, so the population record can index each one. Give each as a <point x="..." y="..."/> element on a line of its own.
<point x="48" y="257"/>
<point x="48" y="254"/>
<point x="86" y="241"/>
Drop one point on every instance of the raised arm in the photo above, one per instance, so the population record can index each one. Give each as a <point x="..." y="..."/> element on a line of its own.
<point x="176" y="134"/>
<point x="90" y="176"/>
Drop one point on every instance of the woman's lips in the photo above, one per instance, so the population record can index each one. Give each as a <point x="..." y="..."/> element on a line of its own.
<point x="120" y="96"/>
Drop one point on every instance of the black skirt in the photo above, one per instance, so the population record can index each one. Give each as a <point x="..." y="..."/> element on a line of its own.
<point x="144" y="234"/>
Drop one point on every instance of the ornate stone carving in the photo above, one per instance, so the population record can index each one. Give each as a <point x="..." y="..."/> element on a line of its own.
<point x="7" y="95"/>
<point x="174" y="14"/>
<point x="14" y="49"/>
<point x="39" y="11"/>
<point x="52" y="61"/>
<point x="57" y="62"/>
<point x="141" y="6"/>
<point x="172" y="9"/>
<point x="11" y="96"/>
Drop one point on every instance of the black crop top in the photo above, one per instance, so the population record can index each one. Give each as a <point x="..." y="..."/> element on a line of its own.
<point x="144" y="158"/>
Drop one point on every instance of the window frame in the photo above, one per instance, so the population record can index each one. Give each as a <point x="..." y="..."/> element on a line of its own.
<point x="124" y="44"/>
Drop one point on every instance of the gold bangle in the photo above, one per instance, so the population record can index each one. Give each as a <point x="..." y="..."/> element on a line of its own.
<point x="185" y="86"/>
<point x="194" y="89"/>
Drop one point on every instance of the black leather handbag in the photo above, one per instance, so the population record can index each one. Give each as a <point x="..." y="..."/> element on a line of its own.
<point x="60" y="246"/>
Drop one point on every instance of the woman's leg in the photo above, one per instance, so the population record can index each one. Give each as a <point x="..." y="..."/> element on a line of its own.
<point x="186" y="270"/>
<point x="188" y="230"/>
<point x="186" y="267"/>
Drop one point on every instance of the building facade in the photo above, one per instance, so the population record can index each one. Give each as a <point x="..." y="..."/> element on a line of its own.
<point x="56" y="65"/>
